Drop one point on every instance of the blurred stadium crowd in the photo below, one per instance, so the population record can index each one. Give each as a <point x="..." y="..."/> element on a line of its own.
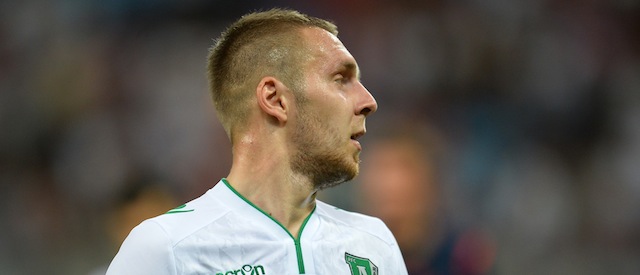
<point x="524" y="118"/>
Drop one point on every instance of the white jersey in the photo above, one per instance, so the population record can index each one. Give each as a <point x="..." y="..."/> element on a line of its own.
<point x="222" y="233"/>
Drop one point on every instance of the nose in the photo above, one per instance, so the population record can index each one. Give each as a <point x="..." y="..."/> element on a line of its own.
<point x="366" y="103"/>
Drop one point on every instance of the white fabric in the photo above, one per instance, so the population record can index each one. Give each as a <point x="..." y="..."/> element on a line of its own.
<point x="220" y="233"/>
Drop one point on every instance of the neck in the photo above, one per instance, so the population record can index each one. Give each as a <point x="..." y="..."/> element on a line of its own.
<point x="262" y="175"/>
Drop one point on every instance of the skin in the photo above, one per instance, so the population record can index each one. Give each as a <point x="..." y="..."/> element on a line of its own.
<point x="293" y="148"/>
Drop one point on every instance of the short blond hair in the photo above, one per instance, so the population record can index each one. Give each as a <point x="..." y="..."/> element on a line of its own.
<point x="258" y="44"/>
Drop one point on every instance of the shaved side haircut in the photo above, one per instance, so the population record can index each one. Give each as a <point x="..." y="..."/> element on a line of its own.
<point x="259" y="44"/>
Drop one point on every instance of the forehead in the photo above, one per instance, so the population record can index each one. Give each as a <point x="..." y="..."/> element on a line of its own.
<point x="326" y="51"/>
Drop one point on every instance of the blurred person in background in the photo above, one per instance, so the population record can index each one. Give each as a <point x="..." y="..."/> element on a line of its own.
<point x="143" y="197"/>
<point x="402" y="186"/>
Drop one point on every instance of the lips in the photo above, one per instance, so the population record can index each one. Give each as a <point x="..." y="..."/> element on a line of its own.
<point x="354" y="139"/>
<point x="357" y="144"/>
<point x="357" y="135"/>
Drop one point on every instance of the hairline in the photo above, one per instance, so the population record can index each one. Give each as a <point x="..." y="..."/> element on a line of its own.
<point x="236" y="62"/>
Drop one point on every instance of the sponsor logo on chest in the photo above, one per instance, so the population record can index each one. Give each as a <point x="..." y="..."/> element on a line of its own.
<point x="245" y="270"/>
<point x="357" y="265"/>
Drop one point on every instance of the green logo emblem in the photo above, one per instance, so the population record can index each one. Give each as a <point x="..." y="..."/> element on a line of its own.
<point x="360" y="266"/>
<point x="179" y="210"/>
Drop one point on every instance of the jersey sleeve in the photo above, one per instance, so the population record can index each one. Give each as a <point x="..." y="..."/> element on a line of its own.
<point x="401" y="268"/>
<point x="147" y="250"/>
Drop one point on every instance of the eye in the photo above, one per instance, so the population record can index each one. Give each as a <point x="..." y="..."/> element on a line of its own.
<point x="341" y="78"/>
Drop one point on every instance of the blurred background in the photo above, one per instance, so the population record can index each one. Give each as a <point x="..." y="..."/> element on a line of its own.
<point x="507" y="139"/>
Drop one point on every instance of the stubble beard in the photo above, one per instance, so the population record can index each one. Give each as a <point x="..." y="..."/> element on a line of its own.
<point x="319" y="156"/>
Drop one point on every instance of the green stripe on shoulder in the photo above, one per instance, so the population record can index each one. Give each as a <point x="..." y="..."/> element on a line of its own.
<point x="179" y="209"/>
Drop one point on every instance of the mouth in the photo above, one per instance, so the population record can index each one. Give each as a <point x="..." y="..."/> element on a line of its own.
<point x="357" y="135"/>
<point x="354" y="139"/>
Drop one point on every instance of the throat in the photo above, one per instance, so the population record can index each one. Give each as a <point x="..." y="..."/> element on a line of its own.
<point x="289" y="208"/>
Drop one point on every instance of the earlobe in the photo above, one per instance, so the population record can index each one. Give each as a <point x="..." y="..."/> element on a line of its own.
<point x="272" y="98"/>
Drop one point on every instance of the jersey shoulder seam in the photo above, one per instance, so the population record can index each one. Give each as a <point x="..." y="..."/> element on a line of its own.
<point x="198" y="229"/>
<point x="171" y="247"/>
<point x="174" y="242"/>
<point x="324" y="213"/>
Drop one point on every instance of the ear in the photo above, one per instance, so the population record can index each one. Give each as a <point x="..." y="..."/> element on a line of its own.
<point x="272" y="98"/>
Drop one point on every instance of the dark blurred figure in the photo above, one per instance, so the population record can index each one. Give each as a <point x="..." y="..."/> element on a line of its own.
<point x="401" y="185"/>
<point x="144" y="196"/>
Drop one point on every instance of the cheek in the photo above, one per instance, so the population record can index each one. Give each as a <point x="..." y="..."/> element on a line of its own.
<point x="333" y="101"/>
<point x="327" y="116"/>
<point x="317" y="131"/>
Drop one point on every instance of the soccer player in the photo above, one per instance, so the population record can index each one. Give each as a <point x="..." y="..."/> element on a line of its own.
<point x="288" y="94"/>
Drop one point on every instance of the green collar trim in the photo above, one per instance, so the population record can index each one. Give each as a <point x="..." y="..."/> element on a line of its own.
<point x="296" y="241"/>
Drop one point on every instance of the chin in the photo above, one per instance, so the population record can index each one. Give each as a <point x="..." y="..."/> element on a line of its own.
<point x="326" y="168"/>
<point x="336" y="177"/>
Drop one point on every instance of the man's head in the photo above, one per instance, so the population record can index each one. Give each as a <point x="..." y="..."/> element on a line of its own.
<point x="287" y="80"/>
<point x="258" y="44"/>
